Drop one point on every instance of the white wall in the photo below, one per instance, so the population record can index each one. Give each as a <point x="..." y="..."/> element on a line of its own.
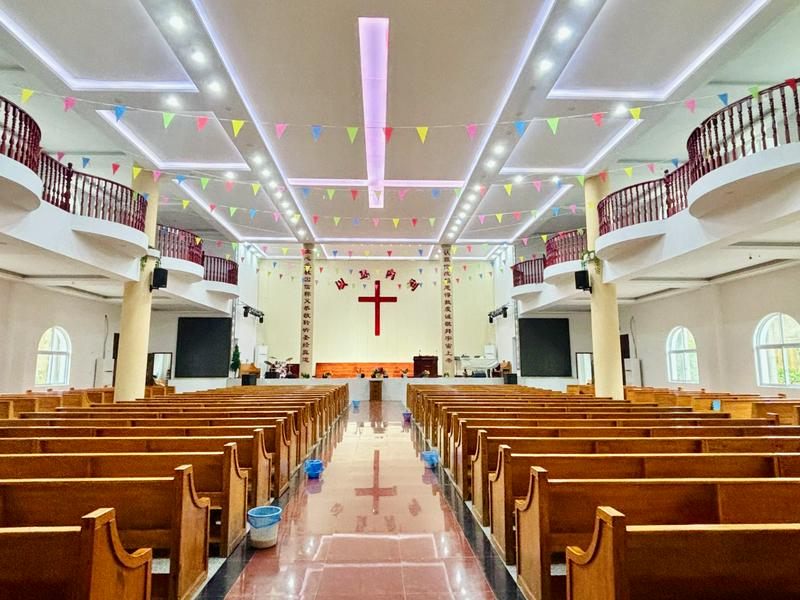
<point x="504" y="329"/>
<point x="246" y="328"/>
<point x="722" y="318"/>
<point x="344" y="328"/>
<point x="27" y="311"/>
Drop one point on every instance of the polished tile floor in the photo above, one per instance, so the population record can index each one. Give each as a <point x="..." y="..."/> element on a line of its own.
<point x="376" y="525"/>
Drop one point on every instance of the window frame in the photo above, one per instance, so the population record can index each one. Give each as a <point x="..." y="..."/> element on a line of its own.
<point x="681" y="354"/>
<point x="51" y="355"/>
<point x="784" y="347"/>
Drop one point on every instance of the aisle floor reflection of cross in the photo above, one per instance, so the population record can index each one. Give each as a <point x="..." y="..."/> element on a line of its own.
<point x="376" y="491"/>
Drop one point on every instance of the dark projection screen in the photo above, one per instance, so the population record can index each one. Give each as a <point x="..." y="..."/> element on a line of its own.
<point x="544" y="348"/>
<point x="204" y="347"/>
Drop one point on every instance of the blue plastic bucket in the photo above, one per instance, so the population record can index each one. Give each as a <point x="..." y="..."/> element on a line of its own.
<point x="431" y="458"/>
<point x="264" y="516"/>
<point x="313" y="468"/>
<point x="407" y="416"/>
<point x="356" y="404"/>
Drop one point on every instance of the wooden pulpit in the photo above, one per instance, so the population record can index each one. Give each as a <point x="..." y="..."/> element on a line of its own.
<point x="426" y="363"/>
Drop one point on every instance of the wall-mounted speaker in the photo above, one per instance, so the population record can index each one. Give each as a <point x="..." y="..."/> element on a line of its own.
<point x="582" y="281"/>
<point x="159" y="279"/>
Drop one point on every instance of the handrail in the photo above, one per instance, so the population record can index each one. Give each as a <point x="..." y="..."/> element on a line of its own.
<point x="90" y="196"/>
<point x="758" y="122"/>
<point x="221" y="270"/>
<point x="20" y="135"/>
<point x="564" y="246"/>
<point x="528" y="271"/>
<point x="179" y="243"/>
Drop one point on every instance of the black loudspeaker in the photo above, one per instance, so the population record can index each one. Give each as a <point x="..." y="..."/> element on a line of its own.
<point x="582" y="281"/>
<point x="159" y="279"/>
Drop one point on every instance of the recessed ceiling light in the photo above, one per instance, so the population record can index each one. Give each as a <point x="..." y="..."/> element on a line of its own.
<point x="172" y="101"/>
<point x="258" y="159"/>
<point x="215" y="86"/>
<point x="230" y="175"/>
<point x="467" y="206"/>
<point x="290" y="212"/>
<point x="279" y="194"/>
<point x="476" y="187"/>
<point x="499" y="149"/>
<point x="545" y="65"/>
<point x="301" y="232"/>
<point x="454" y="228"/>
<point x="458" y="221"/>
<point x="555" y="179"/>
<point x="273" y="185"/>
<point x="563" y="33"/>
<point x="451" y="235"/>
<point x="265" y="172"/>
<point x="462" y="214"/>
<point x="472" y="197"/>
<point x="198" y="57"/>
<point x="284" y="204"/>
<point x="177" y="23"/>
<point x="491" y="163"/>
<point x="518" y="179"/>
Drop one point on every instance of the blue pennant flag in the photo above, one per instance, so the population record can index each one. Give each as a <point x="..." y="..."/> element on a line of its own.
<point x="723" y="98"/>
<point x="85" y="161"/>
<point x="558" y="184"/>
<point x="252" y="213"/>
<point x="305" y="192"/>
<point x="119" y="110"/>
<point x="274" y="264"/>
<point x="520" y="126"/>
<point x="356" y="221"/>
<point x="420" y="251"/>
<point x="436" y="192"/>
<point x="675" y="162"/>
<point x="316" y="130"/>
<point x="335" y="253"/>
<point x="180" y="179"/>
<point x="146" y="197"/>
<point x="556" y="210"/>
<point x="351" y="271"/>
<point x="420" y="270"/>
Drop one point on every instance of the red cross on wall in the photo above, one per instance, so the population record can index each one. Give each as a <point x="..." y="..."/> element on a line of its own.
<point x="377" y="299"/>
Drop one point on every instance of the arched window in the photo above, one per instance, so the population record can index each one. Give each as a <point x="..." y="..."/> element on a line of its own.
<point x="777" y="346"/>
<point x="52" y="357"/>
<point x="682" y="356"/>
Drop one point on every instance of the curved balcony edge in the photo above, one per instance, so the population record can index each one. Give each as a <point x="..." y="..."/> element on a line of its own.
<point x="562" y="270"/>
<point x="120" y="238"/>
<point x="185" y="269"/>
<point x="610" y="244"/>
<point x="520" y="292"/>
<point x="228" y="290"/>
<point x="19" y="186"/>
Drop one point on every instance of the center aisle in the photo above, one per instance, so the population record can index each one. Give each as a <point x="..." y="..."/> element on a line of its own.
<point x="376" y="525"/>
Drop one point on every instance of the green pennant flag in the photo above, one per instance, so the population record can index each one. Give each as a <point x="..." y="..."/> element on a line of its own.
<point x="203" y="182"/>
<point x="352" y="132"/>
<point x="167" y="117"/>
<point x="581" y="179"/>
<point x="432" y="221"/>
<point x="235" y="246"/>
<point x="553" y="123"/>
<point x="331" y="192"/>
<point x="754" y="90"/>
<point x="232" y="210"/>
<point x="336" y="221"/>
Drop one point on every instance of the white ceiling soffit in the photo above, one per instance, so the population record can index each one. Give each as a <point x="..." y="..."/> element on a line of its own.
<point x="104" y="46"/>
<point x="645" y="50"/>
<point x="376" y="251"/>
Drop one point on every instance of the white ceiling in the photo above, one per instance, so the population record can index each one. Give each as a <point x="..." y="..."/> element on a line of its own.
<point x="450" y="64"/>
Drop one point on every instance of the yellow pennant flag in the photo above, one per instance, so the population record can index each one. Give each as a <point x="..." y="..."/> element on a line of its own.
<point x="636" y="113"/>
<point x="256" y="187"/>
<point x="422" y="132"/>
<point x="185" y="203"/>
<point x="544" y="237"/>
<point x="590" y="205"/>
<point x="136" y="170"/>
<point x="508" y="188"/>
<point x="499" y="217"/>
<point x="395" y="222"/>
<point x="366" y="252"/>
<point x="628" y="171"/>
<point x="26" y="95"/>
<point x="284" y="250"/>
<point x="295" y="218"/>
<point x="236" y="124"/>
<point x="454" y="250"/>
<point x="197" y="240"/>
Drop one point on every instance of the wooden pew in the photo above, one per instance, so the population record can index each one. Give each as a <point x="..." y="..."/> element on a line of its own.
<point x="216" y="474"/>
<point x="510" y="480"/>
<point x="85" y="562"/>
<point x="274" y="440"/>
<point x="158" y="512"/>
<point x="558" y="513"/>
<point x="662" y="562"/>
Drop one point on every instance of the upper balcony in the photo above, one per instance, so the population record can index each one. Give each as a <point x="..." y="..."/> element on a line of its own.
<point x="528" y="277"/>
<point x="563" y="254"/>
<point x="221" y="275"/>
<point x="19" y="157"/>
<point x="181" y="252"/>
<point x="762" y="129"/>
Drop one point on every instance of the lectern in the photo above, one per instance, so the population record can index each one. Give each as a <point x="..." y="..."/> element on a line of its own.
<point x="426" y="363"/>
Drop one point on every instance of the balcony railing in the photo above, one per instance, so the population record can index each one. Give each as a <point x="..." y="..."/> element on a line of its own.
<point x="745" y="127"/>
<point x="20" y="135"/>
<point x="179" y="243"/>
<point x="528" y="271"/>
<point x="221" y="270"/>
<point x="564" y="246"/>
<point x="90" y="196"/>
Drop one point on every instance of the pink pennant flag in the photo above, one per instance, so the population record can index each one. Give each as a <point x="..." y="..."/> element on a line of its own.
<point x="603" y="175"/>
<point x="469" y="248"/>
<point x="472" y="128"/>
<point x="413" y="221"/>
<point x="524" y="241"/>
<point x="212" y="207"/>
<point x="156" y="175"/>
<point x="114" y="168"/>
<point x="481" y="218"/>
<point x="389" y="252"/>
<point x="537" y="183"/>
<point x="302" y="251"/>
<point x="69" y="102"/>
<point x="375" y="221"/>
<point x="691" y="104"/>
<point x="573" y="208"/>
<point x="517" y="215"/>
<point x="598" y="118"/>
<point x="402" y="193"/>
<point x="315" y="218"/>
<point x="219" y="243"/>
<point x="229" y="185"/>
<point x="201" y="122"/>
<point x="350" y="255"/>
<point x="59" y="156"/>
<point x="482" y="190"/>
<point x="280" y="128"/>
<point x="354" y="194"/>
<point x="276" y="216"/>
<point x="651" y="167"/>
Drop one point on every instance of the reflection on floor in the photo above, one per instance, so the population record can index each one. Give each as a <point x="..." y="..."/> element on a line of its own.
<point x="376" y="525"/>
